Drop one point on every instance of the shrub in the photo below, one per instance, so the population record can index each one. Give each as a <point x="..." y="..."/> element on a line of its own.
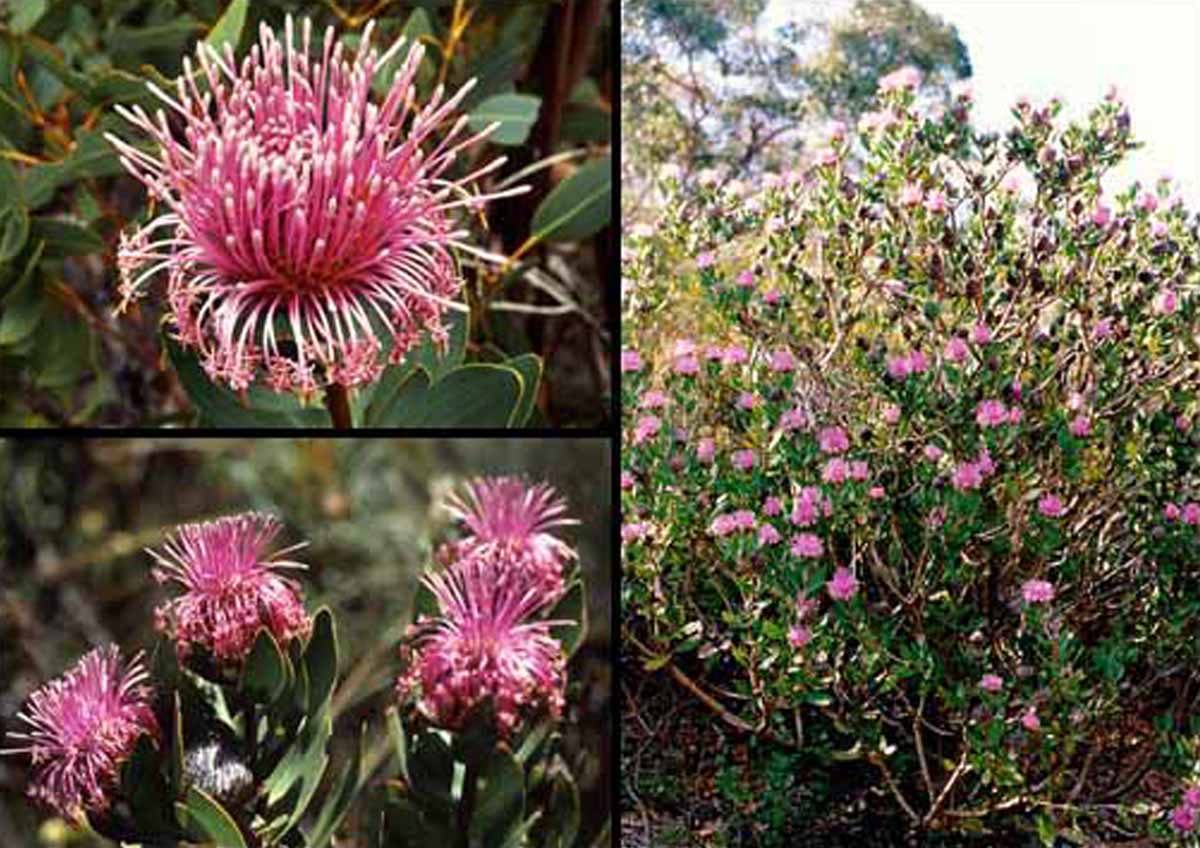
<point x="919" y="482"/>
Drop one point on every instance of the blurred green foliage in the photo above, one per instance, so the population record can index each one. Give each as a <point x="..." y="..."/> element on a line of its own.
<point x="64" y="196"/>
<point x="76" y="515"/>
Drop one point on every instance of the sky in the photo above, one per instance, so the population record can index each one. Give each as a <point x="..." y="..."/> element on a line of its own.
<point x="1148" y="49"/>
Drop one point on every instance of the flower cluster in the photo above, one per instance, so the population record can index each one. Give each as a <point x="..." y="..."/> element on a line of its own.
<point x="81" y="727"/>
<point x="232" y="587"/>
<point x="487" y="645"/>
<point x="307" y="231"/>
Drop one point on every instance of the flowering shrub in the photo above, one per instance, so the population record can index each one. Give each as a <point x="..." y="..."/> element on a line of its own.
<point x="918" y="483"/>
<point x="223" y="738"/>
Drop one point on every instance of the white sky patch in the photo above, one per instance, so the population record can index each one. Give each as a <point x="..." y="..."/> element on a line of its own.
<point x="1073" y="49"/>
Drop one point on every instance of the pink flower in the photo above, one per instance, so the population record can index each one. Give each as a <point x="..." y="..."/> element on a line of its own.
<point x="483" y="647"/>
<point x="630" y="361"/>
<point x="735" y="355"/>
<point x="772" y="297"/>
<point x="991" y="413"/>
<point x="991" y="683"/>
<point x="935" y="202"/>
<point x="683" y="347"/>
<point x="653" y="399"/>
<point x="743" y="460"/>
<point x="807" y="545"/>
<point x="80" y="728"/>
<point x="745" y="279"/>
<point x="933" y="453"/>
<point x="956" y="350"/>
<point x="1147" y="202"/>
<point x="747" y="401"/>
<point x="306" y="233"/>
<point x="772" y="506"/>
<point x="836" y="470"/>
<point x="646" y="429"/>
<point x="714" y="353"/>
<point x="627" y="480"/>
<point x="843" y="585"/>
<point x="1050" y="505"/>
<point x="1191" y="514"/>
<point x="804" y="606"/>
<point x="859" y="470"/>
<point x="634" y="532"/>
<point x="768" y="535"/>
<point x="799" y="636"/>
<point x="891" y="413"/>
<point x="1171" y="512"/>
<point x="910" y="194"/>
<point x="1030" y="720"/>
<point x="1081" y="426"/>
<point x="876" y="493"/>
<point x="686" y="365"/>
<point x="232" y="587"/>
<point x="833" y="440"/>
<point x="1159" y="229"/>
<point x="981" y="334"/>
<point x="1183" y="818"/>
<point x="1037" y="591"/>
<point x="1191" y="797"/>
<point x="902" y="79"/>
<point x="733" y="522"/>
<point x="793" y="419"/>
<point x="1015" y="414"/>
<point x="1101" y="215"/>
<point x="983" y="461"/>
<point x="1103" y="329"/>
<point x="512" y="523"/>
<point x="706" y="451"/>
<point x="827" y="157"/>
<point x="705" y="260"/>
<point x="918" y="363"/>
<point x="1166" y="302"/>
<point x="782" y="360"/>
<point x="967" y="476"/>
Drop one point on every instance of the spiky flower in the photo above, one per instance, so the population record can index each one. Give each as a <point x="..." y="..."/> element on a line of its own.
<point x="232" y="587"/>
<point x="80" y="728"/>
<point x="302" y="221"/>
<point x="509" y="523"/>
<point x="483" y="647"/>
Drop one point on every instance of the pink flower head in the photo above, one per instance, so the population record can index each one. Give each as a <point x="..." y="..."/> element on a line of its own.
<point x="910" y="194"/>
<point x="232" y="587"/>
<point x="891" y="413"/>
<point x="1183" y="818"/>
<point x="876" y="493"/>
<point x="306" y="232"/>
<point x="705" y="260"/>
<point x="743" y="460"/>
<point x="768" y="535"/>
<point x="634" y="532"/>
<point x="935" y="202"/>
<point x="1159" y="229"/>
<point x="1037" y="591"/>
<point x="836" y="470"/>
<point x="1050" y="505"/>
<point x="647" y="428"/>
<point x="981" y="334"/>
<point x="706" y="450"/>
<point x="747" y="400"/>
<point x="686" y="365"/>
<point x="80" y="728"/>
<point x="682" y="348"/>
<point x="859" y="470"/>
<point x="967" y="476"/>
<point x="933" y="453"/>
<point x="1191" y="797"/>
<point x="827" y="157"/>
<point x="1166" y="303"/>
<point x="653" y="399"/>
<point x="1171" y="512"/>
<point x="793" y="419"/>
<point x="1081" y="426"/>
<point x="918" y="363"/>
<point x="983" y="461"/>
<point x="627" y="480"/>
<point x="1147" y="202"/>
<point x="745" y="279"/>
<point x="483" y="647"/>
<point x="512" y="524"/>
<point x="799" y="635"/>
<point x="1191" y="514"/>
<point x="630" y="361"/>
<point x="1030" y="720"/>
<point x="735" y="355"/>
<point x="1015" y="414"/>
<point x="991" y="683"/>
<point x="991" y="413"/>
<point x="1103" y="329"/>
<point x="782" y="360"/>
<point x="902" y="79"/>
<point x="733" y="522"/>
<point x="843" y="585"/>
<point x="772" y="506"/>
<point x="1101" y="215"/>
<point x="807" y="545"/>
<point x="771" y="297"/>
<point x="833" y="440"/>
<point x="956" y="350"/>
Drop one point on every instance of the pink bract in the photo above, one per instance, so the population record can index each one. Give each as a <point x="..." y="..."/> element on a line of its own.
<point x="80" y="728"/>
<point x="307" y="233"/>
<point x="232" y="587"/>
<point x="843" y="585"/>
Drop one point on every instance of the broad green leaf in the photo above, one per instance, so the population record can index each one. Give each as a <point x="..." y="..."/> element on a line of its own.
<point x="26" y="14"/>
<point x="23" y="304"/>
<point x="145" y="786"/>
<point x="337" y="803"/>
<point x="228" y="28"/>
<point x="529" y="366"/>
<point x="578" y="207"/>
<point x="500" y="805"/>
<point x="516" y="114"/>
<point x="431" y="769"/>
<point x="62" y="347"/>
<point x="205" y="819"/>
<point x="14" y="231"/>
<point x="321" y="660"/>
<point x="265" y="673"/>
<point x="65" y="238"/>
<point x="476" y="395"/>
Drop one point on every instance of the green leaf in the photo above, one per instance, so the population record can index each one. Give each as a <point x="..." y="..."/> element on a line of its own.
<point x="265" y="673"/>
<point x="476" y="742"/>
<point x="26" y="15"/>
<point x="338" y="801"/>
<point x="431" y="769"/>
<point x="205" y="819"/>
<point x="144" y="785"/>
<point x="64" y="238"/>
<point x="418" y="28"/>
<point x="228" y="28"/>
<point x="529" y="367"/>
<point x="399" y="739"/>
<point x="476" y="395"/>
<point x="219" y="407"/>
<point x="14" y="230"/>
<point x="321" y="660"/>
<point x="62" y="347"/>
<point x="578" y="207"/>
<point x="23" y="305"/>
<point x="500" y="805"/>
<point x="378" y="397"/>
<point x="560" y="827"/>
<point x="572" y="607"/>
<point x="516" y="114"/>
